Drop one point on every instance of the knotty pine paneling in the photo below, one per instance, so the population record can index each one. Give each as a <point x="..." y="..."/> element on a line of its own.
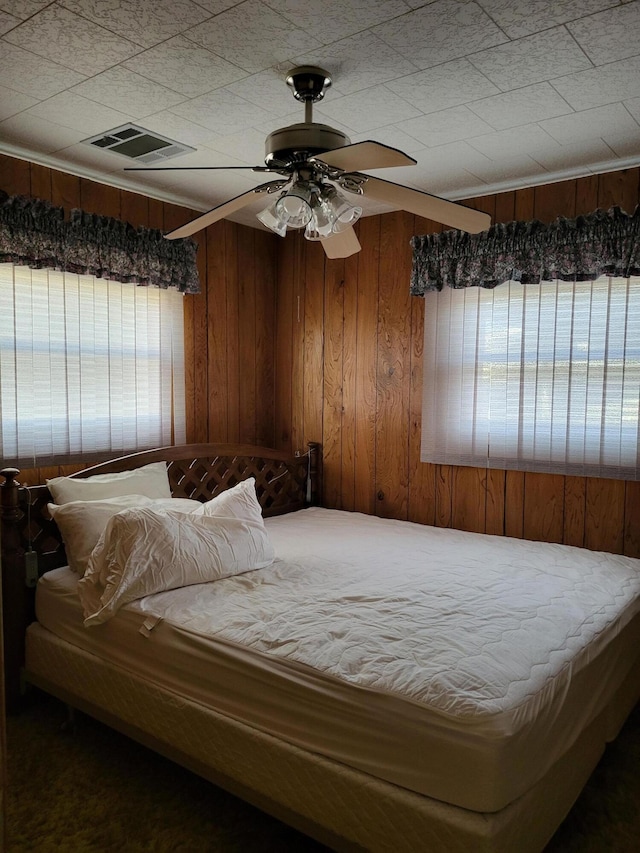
<point x="364" y="401"/>
<point x="229" y="326"/>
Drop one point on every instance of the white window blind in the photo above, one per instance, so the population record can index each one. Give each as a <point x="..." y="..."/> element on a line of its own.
<point x="88" y="366"/>
<point x="534" y="377"/>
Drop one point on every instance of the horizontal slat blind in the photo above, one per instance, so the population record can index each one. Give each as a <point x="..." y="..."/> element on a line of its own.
<point x="535" y="377"/>
<point x="87" y="366"/>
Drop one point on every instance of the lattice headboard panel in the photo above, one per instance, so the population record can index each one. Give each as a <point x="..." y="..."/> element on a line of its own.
<point x="199" y="472"/>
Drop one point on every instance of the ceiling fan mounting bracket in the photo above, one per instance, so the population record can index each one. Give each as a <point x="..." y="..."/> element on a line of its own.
<point x="308" y="82"/>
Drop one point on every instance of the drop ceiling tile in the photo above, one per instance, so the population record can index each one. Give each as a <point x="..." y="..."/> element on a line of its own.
<point x="510" y="109"/>
<point x="391" y="135"/>
<point x="23" y="9"/>
<point x="268" y="90"/>
<point x="246" y="147"/>
<point x="7" y="22"/>
<point x="130" y="93"/>
<point x="590" y="124"/>
<point x="633" y="106"/>
<point x="441" y="31"/>
<point x="606" y="84"/>
<point x="214" y="188"/>
<point x="252" y="36"/>
<point x="610" y="35"/>
<point x="22" y="71"/>
<point x="523" y="17"/>
<point x="223" y="112"/>
<point x="446" y="126"/>
<point x="12" y="102"/>
<point x="530" y="139"/>
<point x="145" y="22"/>
<point x="36" y="134"/>
<point x="334" y="19"/>
<point x="531" y="60"/>
<point x="226" y="157"/>
<point x="520" y="167"/>
<point x="90" y="157"/>
<point x="185" y="67"/>
<point x="61" y="36"/>
<point x="449" y="158"/>
<point x="453" y="183"/>
<point x="178" y="128"/>
<point x="623" y="144"/>
<point x="276" y="122"/>
<point x="359" y="62"/>
<point x="448" y="85"/>
<point x="369" y="109"/>
<point x="216" y="6"/>
<point x="579" y="154"/>
<point x="71" y="110"/>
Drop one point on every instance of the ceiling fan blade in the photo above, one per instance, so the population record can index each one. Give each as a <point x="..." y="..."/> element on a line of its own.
<point x="365" y="155"/>
<point x="429" y="206"/>
<point x="341" y="245"/>
<point x="222" y="210"/>
<point x="194" y="168"/>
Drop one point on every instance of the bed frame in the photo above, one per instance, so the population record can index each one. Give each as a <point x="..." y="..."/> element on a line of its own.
<point x="343" y="808"/>
<point x="31" y="543"/>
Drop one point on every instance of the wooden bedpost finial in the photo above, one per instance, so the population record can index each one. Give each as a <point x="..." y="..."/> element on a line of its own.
<point x="9" y="491"/>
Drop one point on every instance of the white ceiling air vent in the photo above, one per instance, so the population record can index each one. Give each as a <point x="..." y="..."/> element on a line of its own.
<point x="139" y="144"/>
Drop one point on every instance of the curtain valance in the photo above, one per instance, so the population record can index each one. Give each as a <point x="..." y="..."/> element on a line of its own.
<point x="34" y="233"/>
<point x="581" y="249"/>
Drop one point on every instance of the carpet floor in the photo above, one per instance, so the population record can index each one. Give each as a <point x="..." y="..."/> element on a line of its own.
<point x="95" y="790"/>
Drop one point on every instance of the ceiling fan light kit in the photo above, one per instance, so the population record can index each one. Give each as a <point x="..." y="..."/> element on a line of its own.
<point x="315" y="163"/>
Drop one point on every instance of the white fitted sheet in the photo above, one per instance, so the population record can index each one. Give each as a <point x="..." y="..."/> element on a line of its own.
<point x="456" y="665"/>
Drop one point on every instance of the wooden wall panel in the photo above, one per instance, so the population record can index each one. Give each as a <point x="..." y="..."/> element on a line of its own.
<point x="349" y="388"/>
<point x="366" y="365"/>
<point x="313" y="270"/>
<point x="332" y="374"/>
<point x="604" y="515"/>
<point x="265" y="279"/>
<point x="15" y="176"/>
<point x="393" y="373"/>
<point x="247" y="409"/>
<point x="619" y="188"/>
<point x="381" y="369"/>
<point x="286" y="320"/>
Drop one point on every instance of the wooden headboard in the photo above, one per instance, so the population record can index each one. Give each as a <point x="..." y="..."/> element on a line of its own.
<point x="197" y="471"/>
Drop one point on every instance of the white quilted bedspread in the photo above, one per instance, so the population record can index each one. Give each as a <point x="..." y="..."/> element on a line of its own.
<point x="471" y="626"/>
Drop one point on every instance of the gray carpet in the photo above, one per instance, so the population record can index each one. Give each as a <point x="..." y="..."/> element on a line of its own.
<point x="96" y="790"/>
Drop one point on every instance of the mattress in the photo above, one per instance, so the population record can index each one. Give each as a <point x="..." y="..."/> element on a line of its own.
<point x="459" y="666"/>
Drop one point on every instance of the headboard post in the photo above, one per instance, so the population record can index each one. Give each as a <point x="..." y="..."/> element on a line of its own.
<point x="17" y="601"/>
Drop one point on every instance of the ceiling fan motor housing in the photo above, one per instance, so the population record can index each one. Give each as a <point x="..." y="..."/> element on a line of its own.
<point x="298" y="142"/>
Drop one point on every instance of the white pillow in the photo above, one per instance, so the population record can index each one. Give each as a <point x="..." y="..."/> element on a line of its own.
<point x="240" y="501"/>
<point x="144" y="551"/>
<point x="151" y="480"/>
<point x="82" y="523"/>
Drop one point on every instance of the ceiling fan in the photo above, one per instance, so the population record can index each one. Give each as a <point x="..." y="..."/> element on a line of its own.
<point x="318" y="165"/>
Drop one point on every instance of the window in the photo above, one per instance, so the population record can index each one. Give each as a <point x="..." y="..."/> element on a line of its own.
<point x="534" y="377"/>
<point x="88" y="367"/>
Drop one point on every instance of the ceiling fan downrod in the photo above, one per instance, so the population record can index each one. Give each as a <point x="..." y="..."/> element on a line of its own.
<point x="296" y="143"/>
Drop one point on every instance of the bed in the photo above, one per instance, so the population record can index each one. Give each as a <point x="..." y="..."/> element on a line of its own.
<point x="377" y="684"/>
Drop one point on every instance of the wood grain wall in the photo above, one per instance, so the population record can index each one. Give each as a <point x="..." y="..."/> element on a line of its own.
<point x="349" y="374"/>
<point x="228" y="327"/>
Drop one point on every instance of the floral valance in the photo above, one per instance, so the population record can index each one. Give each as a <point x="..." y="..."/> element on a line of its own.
<point x="581" y="249"/>
<point x="34" y="233"/>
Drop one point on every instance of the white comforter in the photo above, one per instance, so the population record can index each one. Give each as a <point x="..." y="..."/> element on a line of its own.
<point x="472" y="626"/>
